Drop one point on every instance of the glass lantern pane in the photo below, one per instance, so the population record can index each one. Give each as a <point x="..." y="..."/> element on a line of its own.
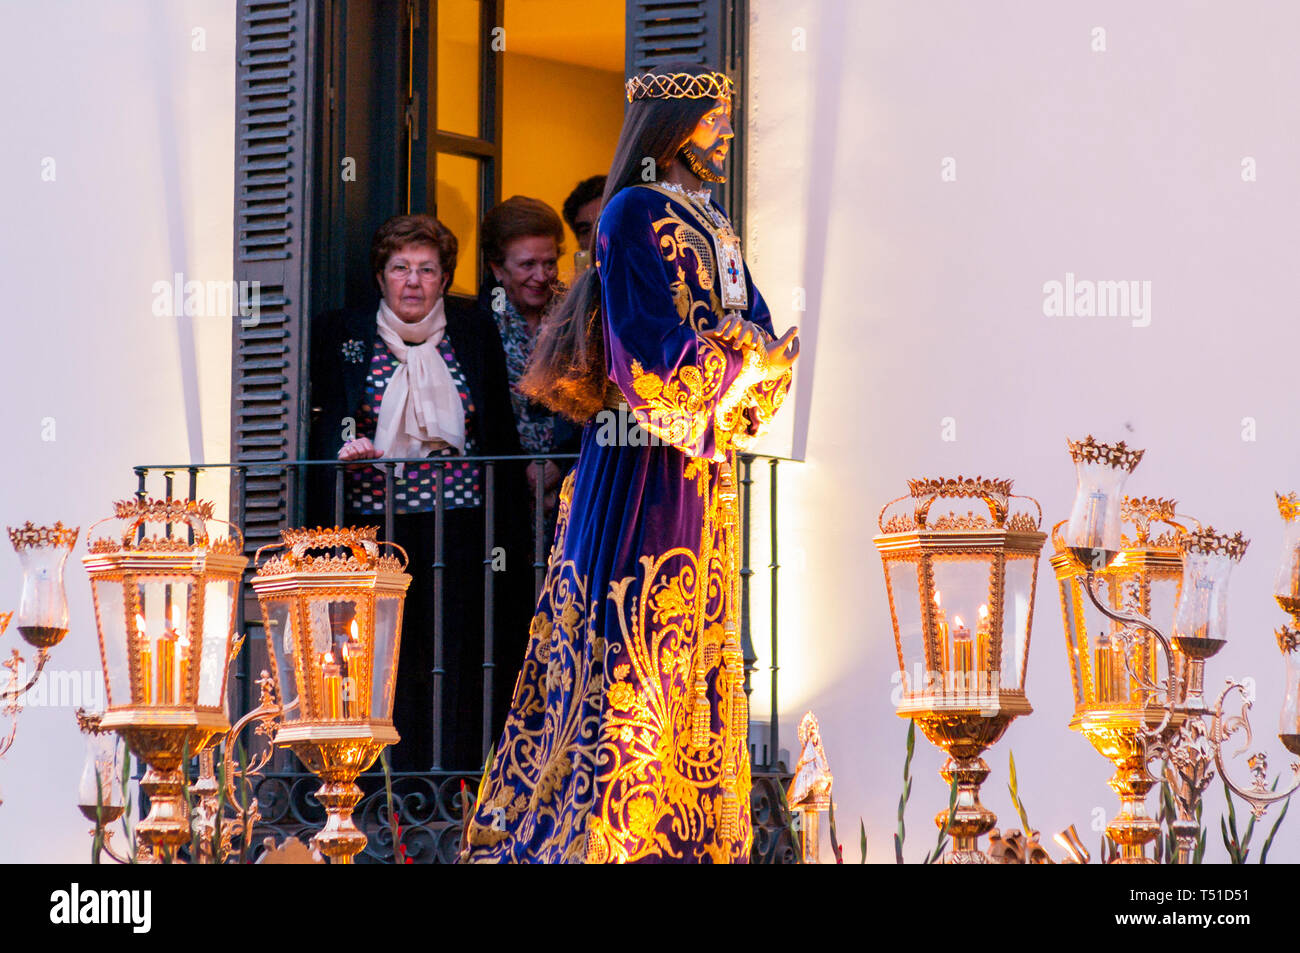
<point x="1106" y="681"/>
<point x="1071" y="636"/>
<point x="280" y="639"/>
<point x="162" y="625"/>
<point x="1016" y="608"/>
<point x="458" y="66"/>
<point x="333" y="623"/>
<point x="218" y="611"/>
<point x="387" y="619"/>
<point x="112" y="621"/>
<point x="907" y="607"/>
<point x="961" y="591"/>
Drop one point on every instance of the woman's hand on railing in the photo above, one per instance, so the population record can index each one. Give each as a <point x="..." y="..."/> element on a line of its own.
<point x="359" y="449"/>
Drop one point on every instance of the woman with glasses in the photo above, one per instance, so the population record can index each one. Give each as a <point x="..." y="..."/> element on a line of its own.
<point x="421" y="376"/>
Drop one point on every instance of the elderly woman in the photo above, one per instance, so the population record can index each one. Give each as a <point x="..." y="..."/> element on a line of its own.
<point x="421" y="376"/>
<point x="522" y="241"/>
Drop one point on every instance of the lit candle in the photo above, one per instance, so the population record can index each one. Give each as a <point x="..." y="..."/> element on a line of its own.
<point x="351" y="655"/>
<point x="984" y="643"/>
<point x="333" y="686"/>
<point x="962" y="654"/>
<point x="943" y="636"/>
<point x="145" y="656"/>
<point x="167" y="666"/>
<point x="1103" y="671"/>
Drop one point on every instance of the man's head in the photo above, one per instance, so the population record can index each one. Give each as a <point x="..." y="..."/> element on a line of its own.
<point x="705" y="152"/>
<point x="672" y="107"/>
<point x="582" y="208"/>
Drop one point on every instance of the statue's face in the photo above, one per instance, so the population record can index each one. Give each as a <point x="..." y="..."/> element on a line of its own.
<point x="705" y="152"/>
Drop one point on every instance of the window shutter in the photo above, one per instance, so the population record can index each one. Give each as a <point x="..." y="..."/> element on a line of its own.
<point x="271" y="204"/>
<point x="700" y="31"/>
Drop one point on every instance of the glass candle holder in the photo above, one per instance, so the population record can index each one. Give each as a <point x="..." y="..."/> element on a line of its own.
<point x="1201" y="619"/>
<point x="99" y="793"/>
<point x="43" y="609"/>
<point x="1092" y="532"/>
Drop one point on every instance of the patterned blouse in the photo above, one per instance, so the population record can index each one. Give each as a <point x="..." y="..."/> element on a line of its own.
<point x="413" y="490"/>
<point x="536" y="424"/>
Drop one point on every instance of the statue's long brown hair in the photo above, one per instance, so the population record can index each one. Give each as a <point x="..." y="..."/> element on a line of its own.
<point x="567" y="370"/>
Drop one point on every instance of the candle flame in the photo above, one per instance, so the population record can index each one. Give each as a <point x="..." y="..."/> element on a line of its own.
<point x="937" y="600"/>
<point x="984" y="612"/>
<point x="354" y="630"/>
<point x="329" y="658"/>
<point x="957" y="618"/>
<point x="139" y="624"/>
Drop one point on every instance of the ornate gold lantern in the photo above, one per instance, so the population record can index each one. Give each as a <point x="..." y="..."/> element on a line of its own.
<point x="165" y="611"/>
<point x="332" y="607"/>
<point x="961" y="597"/>
<point x="1123" y="705"/>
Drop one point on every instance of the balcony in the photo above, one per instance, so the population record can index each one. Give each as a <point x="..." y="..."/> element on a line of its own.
<point x="430" y="804"/>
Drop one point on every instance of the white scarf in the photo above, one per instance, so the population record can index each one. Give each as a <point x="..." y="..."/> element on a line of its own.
<point x="421" y="408"/>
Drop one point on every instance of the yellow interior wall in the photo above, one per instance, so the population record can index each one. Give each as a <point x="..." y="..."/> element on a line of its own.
<point x="561" y="122"/>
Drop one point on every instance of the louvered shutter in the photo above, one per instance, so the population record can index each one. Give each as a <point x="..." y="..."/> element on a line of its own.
<point x="701" y="31"/>
<point x="271" y="206"/>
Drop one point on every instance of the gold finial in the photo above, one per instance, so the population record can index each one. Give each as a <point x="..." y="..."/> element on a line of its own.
<point x="680" y="86"/>
<point x="976" y="486"/>
<point x="1090" y="450"/>
<point x="1209" y="543"/>
<point x="162" y="511"/>
<point x="29" y="535"/>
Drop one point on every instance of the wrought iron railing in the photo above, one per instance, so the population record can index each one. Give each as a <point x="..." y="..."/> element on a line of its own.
<point x="430" y="804"/>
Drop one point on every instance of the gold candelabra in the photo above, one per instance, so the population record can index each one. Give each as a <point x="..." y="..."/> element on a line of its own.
<point x="1127" y="711"/>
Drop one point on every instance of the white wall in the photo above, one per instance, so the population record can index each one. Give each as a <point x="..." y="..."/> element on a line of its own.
<point x="925" y="301"/>
<point x="136" y="110"/>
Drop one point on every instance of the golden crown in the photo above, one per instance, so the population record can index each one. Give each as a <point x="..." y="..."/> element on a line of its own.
<point x="680" y="86"/>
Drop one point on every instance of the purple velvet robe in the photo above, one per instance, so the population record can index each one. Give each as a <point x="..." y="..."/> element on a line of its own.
<point x="627" y="736"/>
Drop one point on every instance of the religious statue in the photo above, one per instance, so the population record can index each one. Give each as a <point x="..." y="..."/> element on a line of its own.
<point x="627" y="735"/>
<point x="810" y="790"/>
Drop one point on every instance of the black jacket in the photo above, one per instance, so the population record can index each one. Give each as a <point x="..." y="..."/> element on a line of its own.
<point x="341" y="348"/>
